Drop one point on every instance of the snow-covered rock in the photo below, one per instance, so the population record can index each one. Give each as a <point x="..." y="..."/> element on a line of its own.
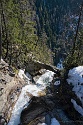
<point x="75" y="78"/>
<point x="22" y="75"/>
<point x="19" y="106"/>
<point x="54" y="122"/>
<point x="23" y="101"/>
<point x="77" y="107"/>
<point x="60" y="65"/>
<point x="57" y="83"/>
<point x="28" y="75"/>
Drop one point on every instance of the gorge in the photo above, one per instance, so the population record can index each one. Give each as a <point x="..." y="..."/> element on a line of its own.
<point x="41" y="62"/>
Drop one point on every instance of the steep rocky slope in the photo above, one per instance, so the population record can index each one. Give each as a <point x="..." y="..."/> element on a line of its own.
<point x="10" y="88"/>
<point x="25" y="99"/>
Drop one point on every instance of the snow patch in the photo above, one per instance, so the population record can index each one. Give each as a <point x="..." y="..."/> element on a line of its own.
<point x="2" y="61"/>
<point x="43" y="124"/>
<point x="77" y="107"/>
<point x="75" y="78"/>
<point x="19" y="106"/>
<point x="57" y="83"/>
<point x="60" y="65"/>
<point x="22" y="102"/>
<point x="54" y="122"/>
<point x="28" y="75"/>
<point x="22" y="74"/>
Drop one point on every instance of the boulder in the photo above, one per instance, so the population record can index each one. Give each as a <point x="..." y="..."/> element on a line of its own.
<point x="37" y="106"/>
<point x="34" y="67"/>
<point x="32" y="111"/>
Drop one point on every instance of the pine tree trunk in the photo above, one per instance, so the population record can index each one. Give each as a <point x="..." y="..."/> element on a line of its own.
<point x="4" y="22"/>
<point x="74" y="43"/>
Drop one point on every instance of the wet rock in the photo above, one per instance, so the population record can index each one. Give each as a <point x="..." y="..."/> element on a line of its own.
<point x="48" y="119"/>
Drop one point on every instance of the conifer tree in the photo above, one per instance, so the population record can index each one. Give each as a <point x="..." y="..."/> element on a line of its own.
<point x="0" y="35"/>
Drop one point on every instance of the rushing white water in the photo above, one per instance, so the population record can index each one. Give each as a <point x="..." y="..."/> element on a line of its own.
<point x="45" y="79"/>
<point x="24" y="97"/>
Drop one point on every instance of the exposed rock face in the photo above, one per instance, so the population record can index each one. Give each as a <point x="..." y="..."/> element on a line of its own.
<point x="66" y="94"/>
<point x="36" y="108"/>
<point x="33" y="67"/>
<point x="59" y="95"/>
<point x="11" y="85"/>
<point x="10" y="88"/>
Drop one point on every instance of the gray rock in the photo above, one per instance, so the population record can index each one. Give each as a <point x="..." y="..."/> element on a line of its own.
<point x="48" y="119"/>
<point x="34" y="67"/>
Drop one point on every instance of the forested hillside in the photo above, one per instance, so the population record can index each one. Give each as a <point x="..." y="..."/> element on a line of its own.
<point x="41" y="62"/>
<point x="41" y="30"/>
<point x="19" y="33"/>
<point x="58" y="19"/>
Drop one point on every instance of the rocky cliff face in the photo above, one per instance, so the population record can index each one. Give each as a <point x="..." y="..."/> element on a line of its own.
<point x="28" y="101"/>
<point x="10" y="88"/>
<point x="11" y="84"/>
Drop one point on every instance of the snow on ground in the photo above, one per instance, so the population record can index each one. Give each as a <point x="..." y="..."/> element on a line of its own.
<point x="21" y="73"/>
<point x="77" y="107"/>
<point x="60" y="65"/>
<point x="19" y="106"/>
<point x="22" y="102"/>
<point x="26" y="76"/>
<point x="43" y="124"/>
<point x="75" y="77"/>
<point x="24" y="97"/>
<point x="3" y="61"/>
<point x="57" y="83"/>
<point x="45" y="79"/>
<point x="54" y="122"/>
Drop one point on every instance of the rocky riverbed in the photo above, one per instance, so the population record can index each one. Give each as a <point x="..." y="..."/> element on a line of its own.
<point x="44" y="99"/>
